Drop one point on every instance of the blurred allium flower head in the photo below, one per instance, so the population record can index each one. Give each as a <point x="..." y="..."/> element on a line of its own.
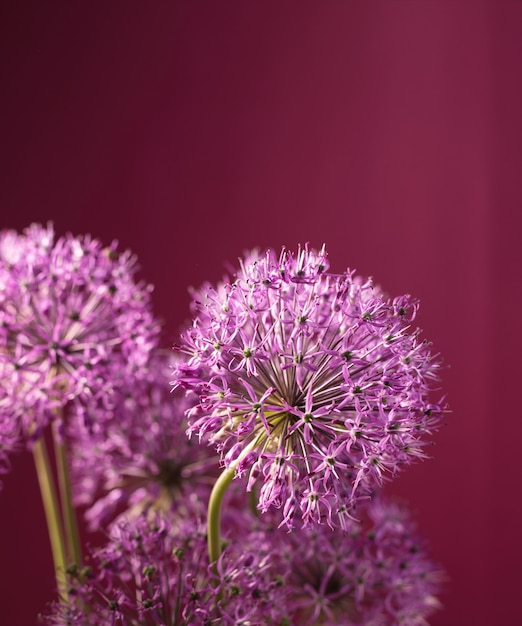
<point x="155" y="572"/>
<point x="71" y="313"/>
<point x="131" y="454"/>
<point x="313" y="384"/>
<point x="376" y="574"/>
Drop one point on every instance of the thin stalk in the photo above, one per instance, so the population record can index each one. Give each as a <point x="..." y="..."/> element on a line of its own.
<point x="214" y="514"/>
<point x="52" y="514"/>
<point x="215" y="502"/>
<point x="252" y="501"/>
<point x="69" y="515"/>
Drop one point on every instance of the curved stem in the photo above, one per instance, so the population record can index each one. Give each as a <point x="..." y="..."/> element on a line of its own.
<point x="215" y="501"/>
<point x="252" y="501"/>
<point x="52" y="513"/>
<point x="214" y="514"/>
<point x="69" y="515"/>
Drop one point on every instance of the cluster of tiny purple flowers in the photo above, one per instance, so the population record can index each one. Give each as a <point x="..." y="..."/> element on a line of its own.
<point x="71" y="316"/>
<point x="130" y="454"/>
<point x="155" y="571"/>
<point x="375" y="574"/>
<point x="313" y="384"/>
<point x="309" y="387"/>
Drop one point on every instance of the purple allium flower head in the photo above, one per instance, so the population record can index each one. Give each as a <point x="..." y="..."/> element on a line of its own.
<point x="133" y="455"/>
<point x="377" y="573"/>
<point x="71" y="314"/>
<point x="313" y="384"/>
<point x="154" y="572"/>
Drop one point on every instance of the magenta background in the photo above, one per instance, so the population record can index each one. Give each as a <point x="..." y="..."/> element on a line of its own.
<point x="391" y="131"/>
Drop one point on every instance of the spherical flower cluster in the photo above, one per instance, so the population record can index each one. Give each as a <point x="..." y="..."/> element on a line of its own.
<point x="131" y="454"/>
<point x="153" y="572"/>
<point x="71" y="314"/>
<point x="313" y="384"/>
<point x="376" y="574"/>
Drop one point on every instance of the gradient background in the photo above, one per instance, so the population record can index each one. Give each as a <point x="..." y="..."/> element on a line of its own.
<point x="391" y="131"/>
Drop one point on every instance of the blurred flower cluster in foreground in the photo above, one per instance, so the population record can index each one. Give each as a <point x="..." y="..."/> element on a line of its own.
<point x="238" y="479"/>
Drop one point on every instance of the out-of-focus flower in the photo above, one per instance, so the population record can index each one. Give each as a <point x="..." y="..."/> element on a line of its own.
<point x="313" y="384"/>
<point x="377" y="573"/>
<point x="131" y="454"/>
<point x="153" y="572"/>
<point x="71" y="314"/>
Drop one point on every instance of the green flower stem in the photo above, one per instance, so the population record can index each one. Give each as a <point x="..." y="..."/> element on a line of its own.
<point x="252" y="501"/>
<point x="215" y="501"/>
<point x="69" y="515"/>
<point x="52" y="513"/>
<point x="214" y="514"/>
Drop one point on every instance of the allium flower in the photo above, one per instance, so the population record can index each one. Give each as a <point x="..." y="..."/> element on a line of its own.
<point x="153" y="572"/>
<point x="312" y="383"/>
<point x="131" y="453"/>
<point x="376" y="574"/>
<point x="71" y="313"/>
